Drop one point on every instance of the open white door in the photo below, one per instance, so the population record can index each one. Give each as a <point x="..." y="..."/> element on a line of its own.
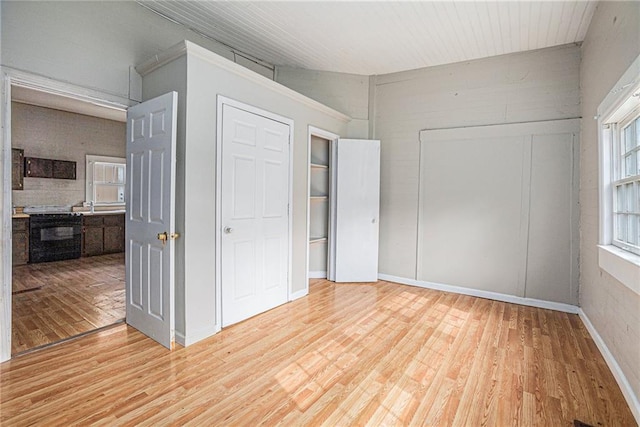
<point x="150" y="225"/>
<point x="355" y="210"/>
<point x="255" y="214"/>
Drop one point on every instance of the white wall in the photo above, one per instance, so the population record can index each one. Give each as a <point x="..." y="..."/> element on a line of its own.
<point x="611" y="45"/>
<point x="196" y="172"/>
<point x="90" y="43"/>
<point x="523" y="87"/>
<point x="499" y="208"/>
<point x="54" y="134"/>
<point x="347" y="93"/>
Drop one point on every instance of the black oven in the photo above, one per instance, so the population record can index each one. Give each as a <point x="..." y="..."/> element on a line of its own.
<point x="54" y="237"/>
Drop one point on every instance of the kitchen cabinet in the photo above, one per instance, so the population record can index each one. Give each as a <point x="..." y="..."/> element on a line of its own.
<point x="38" y="168"/>
<point x="17" y="169"/>
<point x="63" y="169"/>
<point x="102" y="234"/>
<point x="113" y="233"/>
<point x="47" y="168"/>
<point x="20" y="239"/>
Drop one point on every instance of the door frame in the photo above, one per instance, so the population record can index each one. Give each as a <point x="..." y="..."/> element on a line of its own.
<point x="221" y="102"/>
<point x="333" y="139"/>
<point x="12" y="77"/>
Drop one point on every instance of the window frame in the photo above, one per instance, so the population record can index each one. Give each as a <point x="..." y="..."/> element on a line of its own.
<point x="91" y="160"/>
<point x="618" y="104"/>
<point x="617" y="180"/>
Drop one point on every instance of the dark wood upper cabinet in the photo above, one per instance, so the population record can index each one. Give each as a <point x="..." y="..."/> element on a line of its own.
<point x="38" y="168"/>
<point x="17" y="169"/>
<point x="47" y="168"/>
<point x="63" y="169"/>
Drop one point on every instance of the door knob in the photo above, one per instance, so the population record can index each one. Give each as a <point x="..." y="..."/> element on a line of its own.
<point x="163" y="237"/>
<point x="228" y="230"/>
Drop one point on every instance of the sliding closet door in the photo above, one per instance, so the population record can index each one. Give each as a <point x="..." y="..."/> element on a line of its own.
<point x="356" y="205"/>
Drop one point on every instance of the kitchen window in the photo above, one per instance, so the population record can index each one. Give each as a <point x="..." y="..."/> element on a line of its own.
<point x="106" y="178"/>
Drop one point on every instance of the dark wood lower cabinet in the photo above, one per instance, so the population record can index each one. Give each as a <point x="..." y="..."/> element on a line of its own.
<point x="113" y="239"/>
<point x="20" y="241"/>
<point x="92" y="239"/>
<point x="102" y="234"/>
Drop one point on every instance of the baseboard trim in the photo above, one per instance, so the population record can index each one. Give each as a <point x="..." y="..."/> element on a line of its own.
<point x="317" y="275"/>
<point x="187" y="340"/>
<point x="299" y="294"/>
<point x="532" y="302"/>
<point x="621" y="379"/>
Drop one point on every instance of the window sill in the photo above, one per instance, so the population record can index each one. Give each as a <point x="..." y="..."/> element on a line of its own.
<point x="622" y="265"/>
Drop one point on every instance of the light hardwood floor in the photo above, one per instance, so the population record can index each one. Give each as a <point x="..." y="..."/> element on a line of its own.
<point x="53" y="301"/>
<point x="348" y="354"/>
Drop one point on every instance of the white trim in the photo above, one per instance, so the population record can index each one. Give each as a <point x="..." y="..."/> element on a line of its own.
<point x="299" y="294"/>
<point x="187" y="47"/>
<point x="198" y="335"/>
<point x="321" y="133"/>
<point x="221" y="101"/>
<point x="67" y="90"/>
<point x="545" y="127"/>
<point x="531" y="302"/>
<point x="5" y="295"/>
<point x="605" y="190"/>
<point x="218" y="219"/>
<point x="622" y="265"/>
<point x="618" y="374"/>
<point x="317" y="275"/>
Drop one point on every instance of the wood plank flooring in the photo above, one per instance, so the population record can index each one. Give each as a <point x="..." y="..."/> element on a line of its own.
<point x="348" y="354"/>
<point x="53" y="301"/>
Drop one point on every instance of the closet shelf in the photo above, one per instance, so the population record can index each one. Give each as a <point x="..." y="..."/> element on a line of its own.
<point x="318" y="166"/>
<point x="318" y="197"/>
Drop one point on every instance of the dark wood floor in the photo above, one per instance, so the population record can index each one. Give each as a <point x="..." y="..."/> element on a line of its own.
<point x="348" y="354"/>
<point x="53" y="301"/>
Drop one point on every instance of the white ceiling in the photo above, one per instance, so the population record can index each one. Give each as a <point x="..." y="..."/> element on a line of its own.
<point x="383" y="36"/>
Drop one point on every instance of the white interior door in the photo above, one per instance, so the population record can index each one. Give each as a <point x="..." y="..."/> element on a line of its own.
<point x="356" y="208"/>
<point x="255" y="214"/>
<point x="150" y="228"/>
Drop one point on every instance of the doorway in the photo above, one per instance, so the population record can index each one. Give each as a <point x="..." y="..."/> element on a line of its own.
<point x="55" y="300"/>
<point x="320" y="193"/>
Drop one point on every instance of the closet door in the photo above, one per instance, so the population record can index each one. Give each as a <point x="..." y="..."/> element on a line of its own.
<point x="356" y="207"/>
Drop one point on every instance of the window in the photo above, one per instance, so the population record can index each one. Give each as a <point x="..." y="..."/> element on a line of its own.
<point x="106" y="178"/>
<point x="618" y="118"/>
<point x="626" y="182"/>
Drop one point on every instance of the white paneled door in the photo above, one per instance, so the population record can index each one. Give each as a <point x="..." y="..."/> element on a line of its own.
<point x="255" y="214"/>
<point x="356" y="207"/>
<point x="150" y="196"/>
